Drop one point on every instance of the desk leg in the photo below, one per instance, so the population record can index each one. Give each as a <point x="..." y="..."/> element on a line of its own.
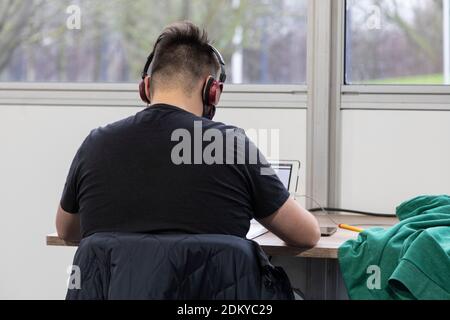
<point x="318" y="279"/>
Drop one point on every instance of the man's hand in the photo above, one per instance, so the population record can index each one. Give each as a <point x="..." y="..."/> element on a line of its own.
<point x="294" y="225"/>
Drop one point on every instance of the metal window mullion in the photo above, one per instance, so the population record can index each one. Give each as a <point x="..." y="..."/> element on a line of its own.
<point x="319" y="79"/>
<point x="337" y="80"/>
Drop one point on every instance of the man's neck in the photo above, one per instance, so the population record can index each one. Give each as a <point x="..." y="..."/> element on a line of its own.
<point x="181" y="101"/>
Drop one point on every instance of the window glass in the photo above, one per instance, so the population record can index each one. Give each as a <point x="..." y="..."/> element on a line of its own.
<point x="263" y="42"/>
<point x="398" y="42"/>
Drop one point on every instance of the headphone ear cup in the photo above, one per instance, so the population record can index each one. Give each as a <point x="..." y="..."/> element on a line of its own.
<point x="216" y="92"/>
<point x="206" y="90"/>
<point x="144" y="90"/>
<point x="212" y="92"/>
<point x="211" y="96"/>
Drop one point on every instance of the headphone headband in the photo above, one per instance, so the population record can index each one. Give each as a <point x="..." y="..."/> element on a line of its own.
<point x="223" y="74"/>
<point x="150" y="58"/>
<point x="147" y="65"/>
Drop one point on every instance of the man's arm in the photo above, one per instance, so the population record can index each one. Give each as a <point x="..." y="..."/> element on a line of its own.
<point x="294" y="225"/>
<point x="68" y="225"/>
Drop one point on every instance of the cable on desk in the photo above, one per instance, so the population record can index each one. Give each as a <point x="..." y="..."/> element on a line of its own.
<point x="325" y="210"/>
<point x="373" y="214"/>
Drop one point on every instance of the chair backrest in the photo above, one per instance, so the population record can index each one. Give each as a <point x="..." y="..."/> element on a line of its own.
<point x="187" y="267"/>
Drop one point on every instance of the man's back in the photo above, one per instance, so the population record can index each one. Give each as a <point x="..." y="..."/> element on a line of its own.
<point x="124" y="178"/>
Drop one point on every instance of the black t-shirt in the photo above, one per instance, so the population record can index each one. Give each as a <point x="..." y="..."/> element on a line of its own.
<point x="127" y="177"/>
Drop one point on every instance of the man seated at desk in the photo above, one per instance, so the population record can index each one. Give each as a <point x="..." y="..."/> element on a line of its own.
<point x="131" y="176"/>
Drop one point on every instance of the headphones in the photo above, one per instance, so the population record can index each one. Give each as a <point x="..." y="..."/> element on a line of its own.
<point x="212" y="88"/>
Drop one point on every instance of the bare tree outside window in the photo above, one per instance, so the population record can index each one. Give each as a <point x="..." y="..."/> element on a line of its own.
<point x="401" y="42"/>
<point x="263" y="42"/>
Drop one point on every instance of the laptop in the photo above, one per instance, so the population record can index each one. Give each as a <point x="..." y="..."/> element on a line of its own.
<point x="288" y="172"/>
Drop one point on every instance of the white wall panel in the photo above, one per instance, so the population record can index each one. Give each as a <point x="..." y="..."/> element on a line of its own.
<point x="391" y="156"/>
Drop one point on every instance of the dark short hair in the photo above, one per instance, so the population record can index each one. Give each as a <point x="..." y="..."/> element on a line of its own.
<point x="183" y="57"/>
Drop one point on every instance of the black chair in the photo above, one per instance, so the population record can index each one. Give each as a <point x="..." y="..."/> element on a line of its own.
<point x="175" y="267"/>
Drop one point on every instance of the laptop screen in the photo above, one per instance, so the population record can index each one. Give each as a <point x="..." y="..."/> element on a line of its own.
<point x="284" y="172"/>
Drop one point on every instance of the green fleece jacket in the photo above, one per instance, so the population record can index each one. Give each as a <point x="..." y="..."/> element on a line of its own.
<point x="408" y="261"/>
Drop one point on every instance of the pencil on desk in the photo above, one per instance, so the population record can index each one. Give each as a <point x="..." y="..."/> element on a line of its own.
<point x="351" y="228"/>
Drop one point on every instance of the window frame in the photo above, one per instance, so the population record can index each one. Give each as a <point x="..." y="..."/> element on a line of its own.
<point x="126" y="95"/>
